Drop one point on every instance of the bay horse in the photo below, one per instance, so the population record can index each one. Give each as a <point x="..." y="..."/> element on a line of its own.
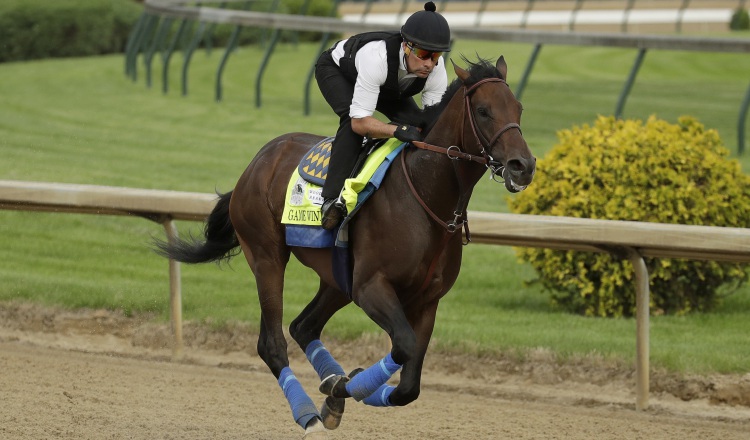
<point x="406" y="242"/>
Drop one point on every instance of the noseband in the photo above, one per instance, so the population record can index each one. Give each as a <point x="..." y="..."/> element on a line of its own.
<point x="494" y="166"/>
<point x="486" y="159"/>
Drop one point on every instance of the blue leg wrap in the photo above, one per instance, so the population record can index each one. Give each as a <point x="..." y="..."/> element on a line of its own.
<point x="303" y="408"/>
<point x="380" y="397"/>
<point x="368" y="381"/>
<point x="321" y="359"/>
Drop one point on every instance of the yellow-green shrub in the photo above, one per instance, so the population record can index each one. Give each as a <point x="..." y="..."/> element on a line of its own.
<point x="631" y="170"/>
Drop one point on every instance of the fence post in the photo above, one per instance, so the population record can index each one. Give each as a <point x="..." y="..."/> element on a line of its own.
<point x="404" y="6"/>
<point x="527" y="70"/>
<point x="323" y="43"/>
<point x="526" y="13"/>
<point x="142" y="28"/>
<point x="626" y="15"/>
<point x="741" y="123"/>
<point x="367" y="9"/>
<point x="188" y="54"/>
<point x="642" y="302"/>
<point x="480" y="13"/>
<point x="231" y="45"/>
<point x="234" y="39"/>
<point x="680" y="15"/>
<point x="175" y="292"/>
<point x="168" y="54"/>
<point x="209" y="34"/>
<point x="629" y="83"/>
<point x="574" y="14"/>
<point x="266" y="57"/>
<point x="132" y="45"/>
<point x="156" y="45"/>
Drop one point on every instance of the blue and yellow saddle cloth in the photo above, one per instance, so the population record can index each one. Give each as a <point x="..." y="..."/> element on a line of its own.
<point x="302" y="214"/>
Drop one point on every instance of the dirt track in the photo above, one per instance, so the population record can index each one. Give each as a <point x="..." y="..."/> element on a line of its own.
<point x="98" y="375"/>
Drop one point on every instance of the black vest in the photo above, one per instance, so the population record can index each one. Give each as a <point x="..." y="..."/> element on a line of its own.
<point x="389" y="90"/>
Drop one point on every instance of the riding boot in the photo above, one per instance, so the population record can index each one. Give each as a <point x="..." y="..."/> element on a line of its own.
<point x="333" y="211"/>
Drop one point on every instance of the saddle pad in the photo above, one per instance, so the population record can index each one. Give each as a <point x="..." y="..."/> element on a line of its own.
<point x="314" y="166"/>
<point x="304" y="199"/>
<point x="303" y="202"/>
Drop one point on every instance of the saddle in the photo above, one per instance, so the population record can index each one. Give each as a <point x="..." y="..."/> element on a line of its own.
<point x="304" y="199"/>
<point x="313" y="167"/>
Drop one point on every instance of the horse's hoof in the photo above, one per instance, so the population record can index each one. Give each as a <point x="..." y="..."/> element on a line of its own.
<point x="334" y="386"/>
<point x="355" y="372"/>
<point x="315" y="430"/>
<point x="332" y="411"/>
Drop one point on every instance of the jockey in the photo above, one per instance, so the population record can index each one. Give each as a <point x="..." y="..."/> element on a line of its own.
<point x="379" y="71"/>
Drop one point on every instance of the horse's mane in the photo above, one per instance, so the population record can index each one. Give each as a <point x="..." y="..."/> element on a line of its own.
<point x="478" y="71"/>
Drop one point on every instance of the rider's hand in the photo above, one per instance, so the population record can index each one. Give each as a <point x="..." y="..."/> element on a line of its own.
<point x="407" y="133"/>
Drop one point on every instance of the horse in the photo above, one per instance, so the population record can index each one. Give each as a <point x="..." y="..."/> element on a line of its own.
<point x="406" y="242"/>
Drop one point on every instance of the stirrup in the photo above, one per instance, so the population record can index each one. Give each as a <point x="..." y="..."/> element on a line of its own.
<point x="333" y="211"/>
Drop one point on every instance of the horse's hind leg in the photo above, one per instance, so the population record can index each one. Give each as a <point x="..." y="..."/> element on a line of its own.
<point x="308" y="326"/>
<point x="268" y="263"/>
<point x="306" y="330"/>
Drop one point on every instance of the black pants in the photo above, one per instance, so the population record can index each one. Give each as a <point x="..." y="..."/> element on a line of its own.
<point x="338" y="91"/>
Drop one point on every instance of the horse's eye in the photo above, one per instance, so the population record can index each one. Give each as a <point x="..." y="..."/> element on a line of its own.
<point x="483" y="112"/>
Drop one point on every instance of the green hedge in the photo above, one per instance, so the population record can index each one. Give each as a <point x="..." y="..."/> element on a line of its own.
<point x="32" y="29"/>
<point x="740" y="20"/>
<point x="217" y="35"/>
<point x="650" y="172"/>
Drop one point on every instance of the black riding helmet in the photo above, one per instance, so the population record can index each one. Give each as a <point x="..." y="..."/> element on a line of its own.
<point x="428" y="30"/>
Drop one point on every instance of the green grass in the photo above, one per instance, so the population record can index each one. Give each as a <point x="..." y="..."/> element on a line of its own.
<point x="83" y="121"/>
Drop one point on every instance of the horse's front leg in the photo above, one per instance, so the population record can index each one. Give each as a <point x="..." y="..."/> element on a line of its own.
<point x="422" y="321"/>
<point x="378" y="299"/>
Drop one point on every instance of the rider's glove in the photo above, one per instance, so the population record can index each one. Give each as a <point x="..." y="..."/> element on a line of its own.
<point x="407" y="133"/>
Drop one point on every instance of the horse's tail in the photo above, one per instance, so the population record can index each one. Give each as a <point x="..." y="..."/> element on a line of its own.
<point x="220" y="241"/>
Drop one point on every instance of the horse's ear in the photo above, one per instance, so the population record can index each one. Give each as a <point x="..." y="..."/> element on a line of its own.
<point x="502" y="67"/>
<point x="462" y="74"/>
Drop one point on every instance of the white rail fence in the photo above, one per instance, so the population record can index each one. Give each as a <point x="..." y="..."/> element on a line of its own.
<point x="626" y="239"/>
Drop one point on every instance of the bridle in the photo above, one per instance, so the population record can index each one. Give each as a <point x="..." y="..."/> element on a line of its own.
<point x="494" y="166"/>
<point x="453" y="152"/>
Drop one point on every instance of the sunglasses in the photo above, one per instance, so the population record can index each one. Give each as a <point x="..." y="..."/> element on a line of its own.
<point x="423" y="54"/>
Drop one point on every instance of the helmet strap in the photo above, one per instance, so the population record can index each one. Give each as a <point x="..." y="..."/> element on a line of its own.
<point x="407" y="51"/>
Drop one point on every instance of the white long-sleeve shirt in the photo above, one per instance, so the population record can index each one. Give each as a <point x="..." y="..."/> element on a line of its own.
<point x="372" y="72"/>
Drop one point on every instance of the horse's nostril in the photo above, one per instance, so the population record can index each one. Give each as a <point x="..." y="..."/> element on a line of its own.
<point x="521" y="166"/>
<point x="515" y="165"/>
